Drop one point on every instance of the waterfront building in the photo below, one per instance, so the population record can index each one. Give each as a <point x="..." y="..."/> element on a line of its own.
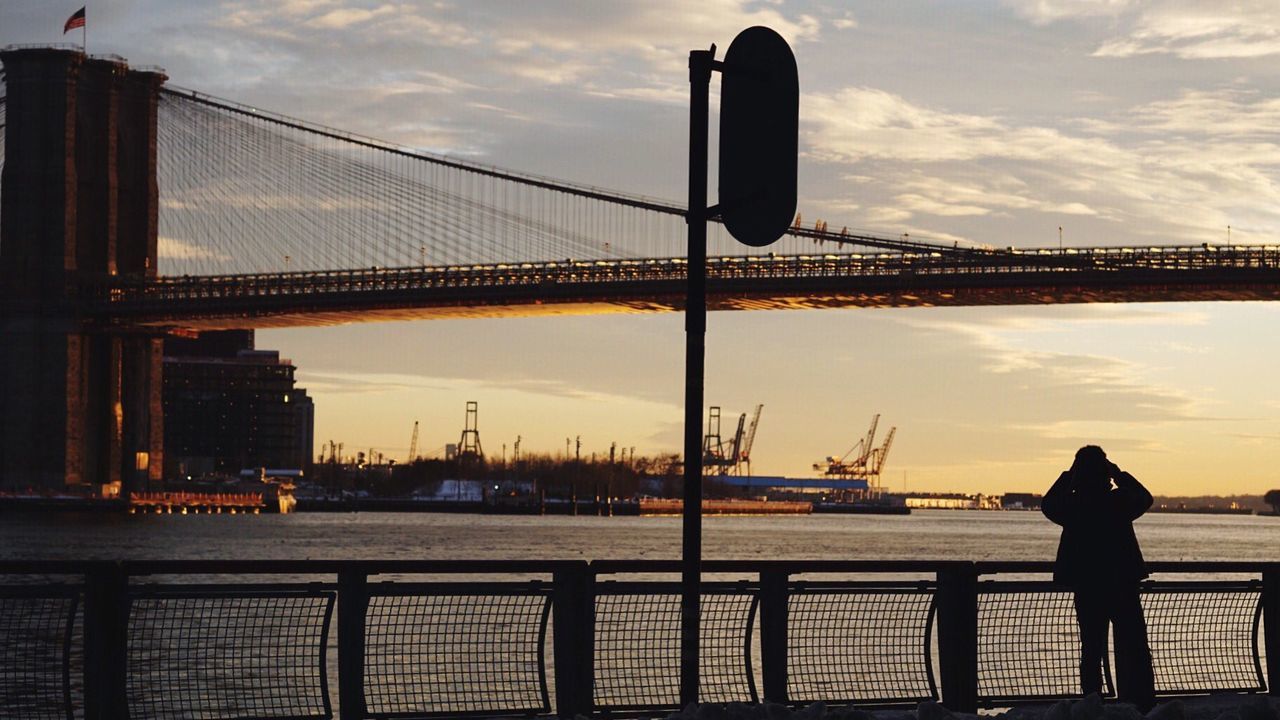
<point x="1020" y="501"/>
<point x="229" y="406"/>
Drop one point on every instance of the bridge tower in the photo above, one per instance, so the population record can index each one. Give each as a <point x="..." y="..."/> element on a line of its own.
<point x="78" y="405"/>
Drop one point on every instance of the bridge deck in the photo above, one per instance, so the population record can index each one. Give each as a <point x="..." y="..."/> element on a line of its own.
<point x="959" y="278"/>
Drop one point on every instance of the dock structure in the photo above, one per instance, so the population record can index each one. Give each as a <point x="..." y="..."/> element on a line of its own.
<point x="195" y="502"/>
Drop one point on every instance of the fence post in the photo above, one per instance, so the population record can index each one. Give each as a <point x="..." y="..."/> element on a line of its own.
<point x="958" y="636"/>
<point x="573" y="608"/>
<point x="1271" y="625"/>
<point x="353" y="602"/>
<point x="106" y="637"/>
<point x="773" y="633"/>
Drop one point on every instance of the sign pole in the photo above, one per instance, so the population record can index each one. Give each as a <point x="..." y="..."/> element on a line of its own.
<point x="701" y="63"/>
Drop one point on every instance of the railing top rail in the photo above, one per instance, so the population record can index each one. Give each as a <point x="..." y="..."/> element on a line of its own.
<point x="1163" y="566"/>
<point x="380" y="567"/>
<point x="788" y="566"/>
<point x="298" y="567"/>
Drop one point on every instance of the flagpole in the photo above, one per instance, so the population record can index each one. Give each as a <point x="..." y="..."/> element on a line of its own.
<point x="84" y="33"/>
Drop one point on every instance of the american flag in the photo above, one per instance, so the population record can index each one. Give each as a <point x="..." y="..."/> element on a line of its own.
<point x="76" y="20"/>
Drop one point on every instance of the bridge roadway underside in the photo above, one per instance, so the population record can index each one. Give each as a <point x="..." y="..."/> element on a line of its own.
<point x="210" y="306"/>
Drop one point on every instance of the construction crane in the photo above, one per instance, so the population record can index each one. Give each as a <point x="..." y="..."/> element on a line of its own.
<point x="413" y="443"/>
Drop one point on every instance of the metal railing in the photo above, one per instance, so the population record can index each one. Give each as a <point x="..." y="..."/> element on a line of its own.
<point x="400" y="639"/>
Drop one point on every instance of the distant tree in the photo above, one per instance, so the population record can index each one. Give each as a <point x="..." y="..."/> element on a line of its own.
<point x="1272" y="498"/>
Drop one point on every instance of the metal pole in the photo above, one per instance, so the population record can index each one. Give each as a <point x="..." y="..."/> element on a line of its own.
<point x="353" y="604"/>
<point x="695" y="325"/>
<point x="1271" y="625"/>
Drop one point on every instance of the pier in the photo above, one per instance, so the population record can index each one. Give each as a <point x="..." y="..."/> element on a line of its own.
<point x="560" y="638"/>
<point x="674" y="506"/>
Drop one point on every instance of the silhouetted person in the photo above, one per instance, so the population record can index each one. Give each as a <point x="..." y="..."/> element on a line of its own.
<point x="1099" y="558"/>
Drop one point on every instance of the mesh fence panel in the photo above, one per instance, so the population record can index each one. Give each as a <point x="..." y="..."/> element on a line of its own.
<point x="1029" y="644"/>
<point x="228" y="655"/>
<point x="456" y="653"/>
<point x="35" y="637"/>
<point x="1204" y="639"/>
<point x="860" y="645"/>
<point x="637" y="648"/>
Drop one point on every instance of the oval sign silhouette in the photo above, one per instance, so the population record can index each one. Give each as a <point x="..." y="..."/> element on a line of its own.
<point x="759" y="117"/>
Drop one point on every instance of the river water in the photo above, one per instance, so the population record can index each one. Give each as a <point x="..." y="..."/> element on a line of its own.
<point x="923" y="535"/>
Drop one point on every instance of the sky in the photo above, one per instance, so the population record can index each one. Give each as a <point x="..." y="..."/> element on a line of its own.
<point x="997" y="122"/>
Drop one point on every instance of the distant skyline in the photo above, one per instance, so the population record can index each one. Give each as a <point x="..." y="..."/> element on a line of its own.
<point x="1123" y="122"/>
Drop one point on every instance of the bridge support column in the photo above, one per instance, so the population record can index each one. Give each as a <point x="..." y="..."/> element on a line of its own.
<point x="41" y="359"/>
<point x="142" y="441"/>
<point x="69" y="390"/>
<point x="97" y="214"/>
<point x="143" y="414"/>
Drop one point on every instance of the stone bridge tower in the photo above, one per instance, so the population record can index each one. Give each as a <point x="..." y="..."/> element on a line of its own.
<point x="79" y="402"/>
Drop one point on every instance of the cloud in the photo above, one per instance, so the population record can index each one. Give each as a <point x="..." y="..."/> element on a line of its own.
<point x="857" y="123"/>
<point x="1043" y="12"/>
<point x="1209" y="153"/>
<point x="599" y="46"/>
<point x="995" y="192"/>
<point x="1255" y="437"/>
<point x="1187" y="29"/>
<point x="378" y="383"/>
<point x="1069" y="386"/>
<point x="844" y="23"/>
<point x="1200" y="32"/>
<point x="344" y="383"/>
<point x="343" y="18"/>
<point x="169" y="248"/>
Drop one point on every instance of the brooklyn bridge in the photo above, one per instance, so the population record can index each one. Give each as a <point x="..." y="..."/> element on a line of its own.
<point x="131" y="208"/>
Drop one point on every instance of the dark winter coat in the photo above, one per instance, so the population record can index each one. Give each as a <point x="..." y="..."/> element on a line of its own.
<point x="1098" y="546"/>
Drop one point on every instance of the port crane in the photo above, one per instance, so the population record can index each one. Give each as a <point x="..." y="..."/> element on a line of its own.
<point x="721" y="457"/>
<point x="745" y="454"/>
<point x="864" y="461"/>
<point x="469" y="444"/>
